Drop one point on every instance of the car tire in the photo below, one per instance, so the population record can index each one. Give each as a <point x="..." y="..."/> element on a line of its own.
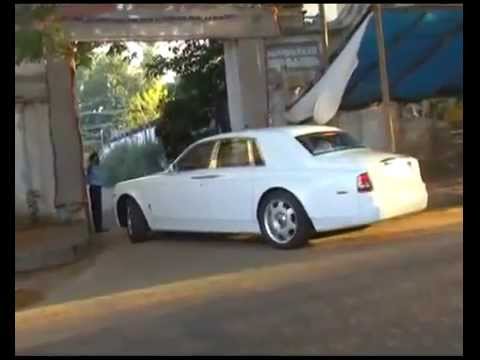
<point x="137" y="226"/>
<point x="280" y="213"/>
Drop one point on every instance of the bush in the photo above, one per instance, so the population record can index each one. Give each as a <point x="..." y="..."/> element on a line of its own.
<point x="130" y="161"/>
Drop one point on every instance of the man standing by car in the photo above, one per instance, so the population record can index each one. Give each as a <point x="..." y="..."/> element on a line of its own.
<point x="95" y="182"/>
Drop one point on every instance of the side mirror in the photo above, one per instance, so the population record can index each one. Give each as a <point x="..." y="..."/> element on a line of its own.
<point x="172" y="168"/>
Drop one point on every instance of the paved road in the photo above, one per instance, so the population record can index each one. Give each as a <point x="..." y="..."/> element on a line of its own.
<point x="401" y="293"/>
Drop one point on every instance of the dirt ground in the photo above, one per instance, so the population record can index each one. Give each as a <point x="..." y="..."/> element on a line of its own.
<point x="395" y="288"/>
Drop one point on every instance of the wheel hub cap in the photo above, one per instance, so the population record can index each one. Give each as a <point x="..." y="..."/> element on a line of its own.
<point x="280" y="221"/>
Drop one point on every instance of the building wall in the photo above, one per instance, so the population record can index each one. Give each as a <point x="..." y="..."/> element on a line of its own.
<point x="33" y="160"/>
<point x="21" y="172"/>
<point x="413" y="133"/>
<point x="47" y="144"/>
<point x="367" y="125"/>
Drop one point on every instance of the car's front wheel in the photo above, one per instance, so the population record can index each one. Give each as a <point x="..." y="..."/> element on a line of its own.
<point x="283" y="221"/>
<point x="137" y="226"/>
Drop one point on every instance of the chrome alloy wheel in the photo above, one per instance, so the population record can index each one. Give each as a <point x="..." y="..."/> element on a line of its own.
<point x="280" y="221"/>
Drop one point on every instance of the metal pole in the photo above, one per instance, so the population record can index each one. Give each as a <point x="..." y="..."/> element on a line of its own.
<point x="265" y="67"/>
<point x="324" y="29"/>
<point x="382" y="57"/>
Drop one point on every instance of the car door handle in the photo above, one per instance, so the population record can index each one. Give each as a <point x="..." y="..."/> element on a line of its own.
<point x="205" y="177"/>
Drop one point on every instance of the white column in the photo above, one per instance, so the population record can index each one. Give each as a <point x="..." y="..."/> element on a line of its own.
<point x="246" y="83"/>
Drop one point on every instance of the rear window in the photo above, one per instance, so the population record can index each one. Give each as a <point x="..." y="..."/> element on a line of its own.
<point x="325" y="142"/>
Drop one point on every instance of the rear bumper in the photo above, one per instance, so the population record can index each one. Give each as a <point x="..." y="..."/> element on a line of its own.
<point x="374" y="207"/>
<point x="378" y="207"/>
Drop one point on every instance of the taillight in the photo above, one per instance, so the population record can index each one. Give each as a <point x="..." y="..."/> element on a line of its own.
<point x="363" y="183"/>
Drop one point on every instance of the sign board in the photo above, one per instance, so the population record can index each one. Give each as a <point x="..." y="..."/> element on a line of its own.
<point x="294" y="56"/>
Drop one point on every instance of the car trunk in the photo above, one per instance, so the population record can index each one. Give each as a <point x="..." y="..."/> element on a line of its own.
<point x="396" y="179"/>
<point x="384" y="169"/>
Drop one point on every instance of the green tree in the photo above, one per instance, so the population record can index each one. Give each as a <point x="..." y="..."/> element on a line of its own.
<point x="105" y="88"/>
<point x="103" y="92"/>
<point x="198" y="91"/>
<point x="148" y="54"/>
<point x="147" y="104"/>
<point x="200" y="66"/>
<point x="38" y="33"/>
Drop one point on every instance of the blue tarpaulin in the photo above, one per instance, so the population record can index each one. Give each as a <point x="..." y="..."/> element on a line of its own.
<point x="424" y="57"/>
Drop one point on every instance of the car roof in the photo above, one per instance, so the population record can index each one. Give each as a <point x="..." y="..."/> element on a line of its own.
<point x="293" y="131"/>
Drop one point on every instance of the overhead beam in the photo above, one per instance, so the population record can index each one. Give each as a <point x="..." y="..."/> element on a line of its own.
<point x="185" y="11"/>
<point x="235" y="28"/>
<point x="156" y="22"/>
<point x="422" y="6"/>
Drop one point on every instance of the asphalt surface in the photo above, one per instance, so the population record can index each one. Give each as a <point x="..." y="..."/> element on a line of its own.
<point x="397" y="293"/>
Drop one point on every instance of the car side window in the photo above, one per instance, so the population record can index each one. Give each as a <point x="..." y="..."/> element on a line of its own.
<point x="257" y="157"/>
<point x="233" y="153"/>
<point x="197" y="158"/>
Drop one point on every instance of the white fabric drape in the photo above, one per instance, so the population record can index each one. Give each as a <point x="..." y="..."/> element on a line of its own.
<point x="323" y="100"/>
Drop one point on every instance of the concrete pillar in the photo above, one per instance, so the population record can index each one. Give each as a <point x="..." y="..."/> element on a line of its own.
<point x="246" y="83"/>
<point x="70" y="193"/>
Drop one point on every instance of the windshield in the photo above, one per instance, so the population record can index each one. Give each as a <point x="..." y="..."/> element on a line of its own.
<point x="325" y="142"/>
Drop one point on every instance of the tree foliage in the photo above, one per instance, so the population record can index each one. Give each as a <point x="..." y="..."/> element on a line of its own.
<point x="147" y="104"/>
<point x="104" y="89"/>
<point x="200" y="66"/>
<point x="38" y="34"/>
<point x="199" y="88"/>
<point x="115" y="95"/>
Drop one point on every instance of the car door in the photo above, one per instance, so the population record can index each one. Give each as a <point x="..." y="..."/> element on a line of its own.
<point x="229" y="187"/>
<point x="179" y="200"/>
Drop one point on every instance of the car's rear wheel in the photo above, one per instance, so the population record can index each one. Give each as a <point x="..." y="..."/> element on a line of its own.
<point x="283" y="221"/>
<point x="137" y="226"/>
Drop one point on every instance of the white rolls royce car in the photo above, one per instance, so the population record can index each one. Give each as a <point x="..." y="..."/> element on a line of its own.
<point x="285" y="183"/>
